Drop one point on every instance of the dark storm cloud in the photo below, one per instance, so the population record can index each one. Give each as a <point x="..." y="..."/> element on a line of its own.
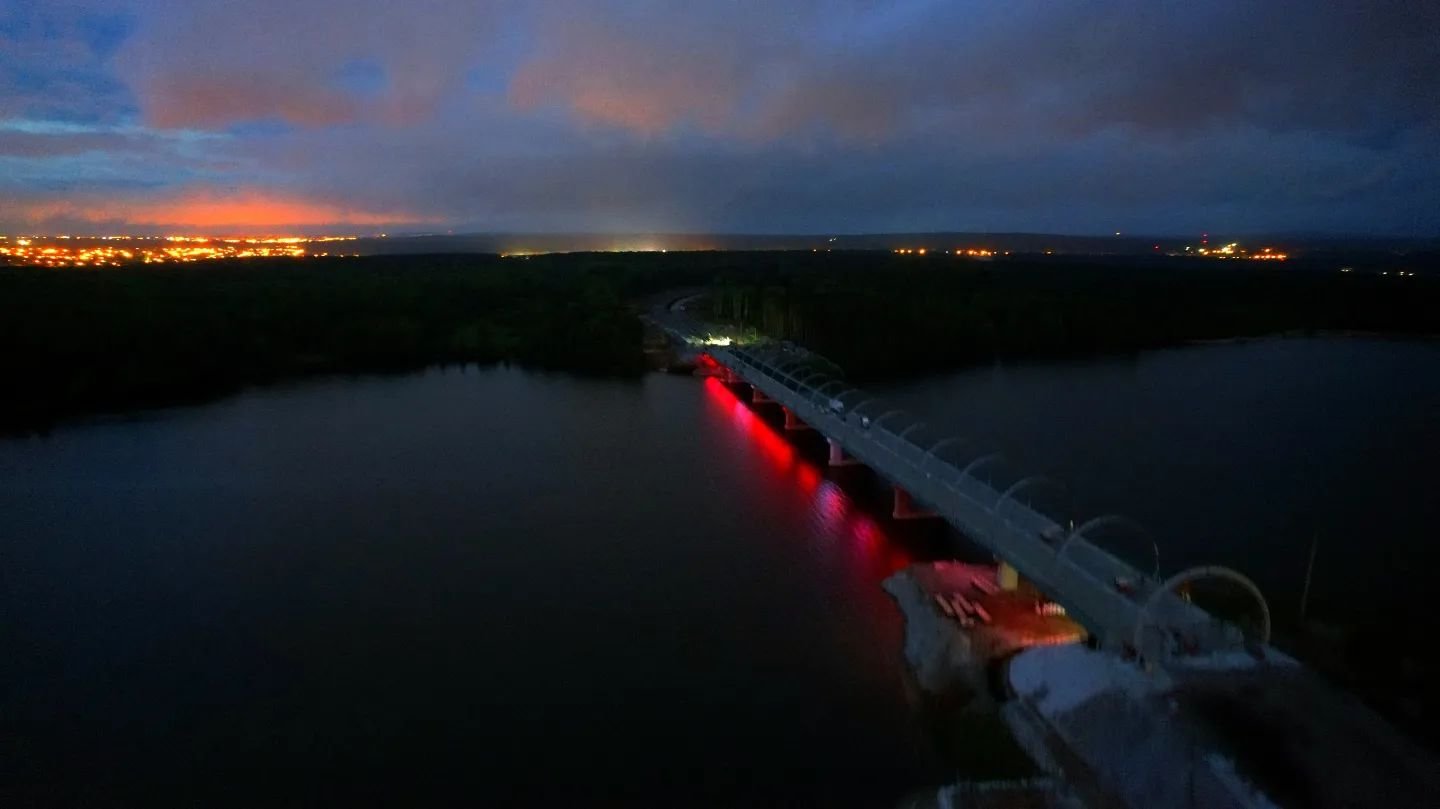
<point x="866" y="68"/>
<point x="814" y="115"/>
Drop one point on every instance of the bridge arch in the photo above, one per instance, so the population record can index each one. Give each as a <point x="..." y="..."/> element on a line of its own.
<point x="1008" y="496"/>
<point x="1205" y="572"/>
<point x="983" y="460"/>
<point x="909" y="439"/>
<point x="788" y="369"/>
<point x="886" y="416"/>
<point x="933" y="453"/>
<point x="805" y="383"/>
<point x="912" y="428"/>
<point x="1118" y="520"/>
<point x="860" y="416"/>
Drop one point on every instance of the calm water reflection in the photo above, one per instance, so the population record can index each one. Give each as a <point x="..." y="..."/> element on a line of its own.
<point x="497" y="582"/>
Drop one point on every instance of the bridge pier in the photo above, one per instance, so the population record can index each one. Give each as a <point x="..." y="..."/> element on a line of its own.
<point x="758" y="397"/>
<point x="837" y="454"/>
<point x="792" y="423"/>
<point x="1007" y="577"/>
<point x="905" y="508"/>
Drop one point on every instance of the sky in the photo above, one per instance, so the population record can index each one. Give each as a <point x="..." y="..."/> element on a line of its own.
<point x="736" y="116"/>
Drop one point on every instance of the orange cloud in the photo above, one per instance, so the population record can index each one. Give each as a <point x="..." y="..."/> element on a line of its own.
<point x="208" y="100"/>
<point x="608" y="73"/>
<point x="249" y="210"/>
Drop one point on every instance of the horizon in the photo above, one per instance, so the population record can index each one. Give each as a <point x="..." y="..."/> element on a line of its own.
<point x="335" y="234"/>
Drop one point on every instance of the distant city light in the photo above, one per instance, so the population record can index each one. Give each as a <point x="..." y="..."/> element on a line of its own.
<point x="1234" y="250"/>
<point x="96" y="251"/>
<point x="959" y="251"/>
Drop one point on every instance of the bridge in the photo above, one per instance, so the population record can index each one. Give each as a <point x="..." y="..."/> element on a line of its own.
<point x="1125" y="605"/>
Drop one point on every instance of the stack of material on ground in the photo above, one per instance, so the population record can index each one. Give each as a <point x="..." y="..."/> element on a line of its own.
<point x="1232" y="733"/>
<point x="957" y="620"/>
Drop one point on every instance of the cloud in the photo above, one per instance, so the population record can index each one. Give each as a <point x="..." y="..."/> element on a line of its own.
<point x="880" y="69"/>
<point x="738" y="115"/>
<point x="217" y="101"/>
<point x="28" y="144"/>
<point x="213" y="63"/>
<point x="642" y="66"/>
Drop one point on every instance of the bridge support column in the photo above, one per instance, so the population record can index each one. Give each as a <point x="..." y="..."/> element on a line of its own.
<point x="758" y="396"/>
<point x="792" y="423"/>
<point x="905" y="509"/>
<point x="728" y="376"/>
<point x="1007" y="577"/>
<point x="837" y="454"/>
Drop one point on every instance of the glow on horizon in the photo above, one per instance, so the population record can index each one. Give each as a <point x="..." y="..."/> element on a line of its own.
<point x="241" y="213"/>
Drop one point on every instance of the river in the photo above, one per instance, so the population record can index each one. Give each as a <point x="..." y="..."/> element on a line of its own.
<point x="517" y="587"/>
<point x="533" y="588"/>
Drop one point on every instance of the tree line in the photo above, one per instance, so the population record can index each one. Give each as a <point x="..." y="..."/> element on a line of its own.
<point x="881" y="316"/>
<point x="84" y="341"/>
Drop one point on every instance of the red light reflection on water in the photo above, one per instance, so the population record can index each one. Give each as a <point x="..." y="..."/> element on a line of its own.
<point x="869" y="547"/>
<point x="850" y="550"/>
<point x="809" y="477"/>
<point x="777" y="449"/>
<point x="833" y="504"/>
<point x="881" y="552"/>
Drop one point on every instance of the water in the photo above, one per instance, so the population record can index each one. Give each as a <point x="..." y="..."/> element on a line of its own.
<point x="1238" y="454"/>
<point x="497" y="585"/>
<point x="521" y="588"/>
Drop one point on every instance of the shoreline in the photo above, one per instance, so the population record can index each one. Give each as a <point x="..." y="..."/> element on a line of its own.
<point x="1300" y="334"/>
